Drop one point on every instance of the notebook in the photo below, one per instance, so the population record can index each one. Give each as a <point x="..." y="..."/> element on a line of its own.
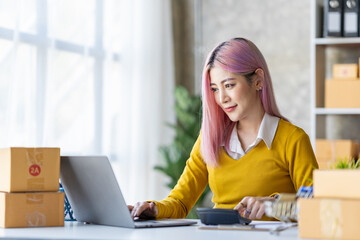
<point x="95" y="196"/>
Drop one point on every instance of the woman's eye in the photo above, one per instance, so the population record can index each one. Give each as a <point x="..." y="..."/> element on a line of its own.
<point x="214" y="89"/>
<point x="229" y="85"/>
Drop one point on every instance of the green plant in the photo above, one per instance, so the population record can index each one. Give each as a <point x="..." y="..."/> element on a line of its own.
<point x="187" y="128"/>
<point x="346" y="164"/>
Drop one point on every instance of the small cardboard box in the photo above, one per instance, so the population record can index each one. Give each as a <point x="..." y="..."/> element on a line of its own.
<point x="342" y="93"/>
<point x="43" y="209"/>
<point x="327" y="150"/>
<point x="29" y="169"/>
<point x="329" y="218"/>
<point x="337" y="183"/>
<point x="342" y="71"/>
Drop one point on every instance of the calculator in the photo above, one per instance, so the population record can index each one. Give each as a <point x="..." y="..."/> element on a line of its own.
<point x="217" y="216"/>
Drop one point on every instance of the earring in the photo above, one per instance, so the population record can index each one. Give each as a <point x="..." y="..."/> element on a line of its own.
<point x="259" y="89"/>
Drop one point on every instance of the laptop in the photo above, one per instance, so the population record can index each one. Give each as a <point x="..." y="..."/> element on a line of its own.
<point x="95" y="196"/>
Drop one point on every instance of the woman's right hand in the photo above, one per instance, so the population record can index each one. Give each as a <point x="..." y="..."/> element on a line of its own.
<point x="253" y="207"/>
<point x="143" y="210"/>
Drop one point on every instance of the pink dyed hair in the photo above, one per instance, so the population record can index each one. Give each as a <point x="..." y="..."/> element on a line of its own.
<point x="240" y="56"/>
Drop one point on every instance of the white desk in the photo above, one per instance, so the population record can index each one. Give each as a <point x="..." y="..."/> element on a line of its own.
<point x="75" y="230"/>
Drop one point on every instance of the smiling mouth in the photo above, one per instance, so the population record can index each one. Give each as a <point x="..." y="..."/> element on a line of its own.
<point x="229" y="109"/>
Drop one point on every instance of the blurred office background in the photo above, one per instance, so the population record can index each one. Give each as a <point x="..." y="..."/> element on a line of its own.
<point x="96" y="77"/>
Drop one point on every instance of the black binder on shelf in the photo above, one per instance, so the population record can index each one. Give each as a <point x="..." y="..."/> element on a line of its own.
<point x="351" y="18"/>
<point x="333" y="18"/>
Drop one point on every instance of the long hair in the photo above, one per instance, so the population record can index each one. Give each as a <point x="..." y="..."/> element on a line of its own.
<point x="239" y="56"/>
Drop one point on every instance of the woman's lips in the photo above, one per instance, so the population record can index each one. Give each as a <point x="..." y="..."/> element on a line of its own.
<point x="229" y="109"/>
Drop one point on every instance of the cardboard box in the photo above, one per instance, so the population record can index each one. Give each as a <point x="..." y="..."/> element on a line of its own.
<point x="332" y="150"/>
<point x="344" y="71"/>
<point x="31" y="209"/>
<point x="342" y="93"/>
<point x="329" y="218"/>
<point x="337" y="183"/>
<point x="325" y="164"/>
<point x="29" y="169"/>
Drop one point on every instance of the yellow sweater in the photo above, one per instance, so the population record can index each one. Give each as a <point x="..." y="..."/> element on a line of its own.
<point x="283" y="168"/>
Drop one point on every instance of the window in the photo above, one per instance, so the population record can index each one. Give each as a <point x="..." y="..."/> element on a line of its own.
<point x="57" y="58"/>
<point x="91" y="77"/>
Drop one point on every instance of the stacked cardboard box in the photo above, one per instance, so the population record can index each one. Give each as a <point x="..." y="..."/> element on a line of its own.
<point x="342" y="90"/>
<point x="342" y="93"/>
<point x="333" y="213"/>
<point x="29" y="185"/>
<point x="328" y="152"/>
<point x="345" y="71"/>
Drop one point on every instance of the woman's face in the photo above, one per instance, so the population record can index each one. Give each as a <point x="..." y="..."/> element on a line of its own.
<point x="233" y="93"/>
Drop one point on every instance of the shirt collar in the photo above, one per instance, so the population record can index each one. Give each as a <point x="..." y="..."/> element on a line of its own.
<point x="268" y="128"/>
<point x="266" y="133"/>
<point x="234" y="142"/>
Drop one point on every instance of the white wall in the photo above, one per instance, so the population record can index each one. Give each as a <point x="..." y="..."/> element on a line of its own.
<point x="281" y="30"/>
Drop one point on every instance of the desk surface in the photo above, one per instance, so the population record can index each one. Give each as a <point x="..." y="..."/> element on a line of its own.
<point x="76" y="230"/>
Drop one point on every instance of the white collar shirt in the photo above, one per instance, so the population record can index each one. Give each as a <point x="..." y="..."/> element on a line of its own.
<point x="266" y="133"/>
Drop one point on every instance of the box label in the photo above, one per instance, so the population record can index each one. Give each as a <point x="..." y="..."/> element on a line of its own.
<point x="34" y="170"/>
<point x="36" y="219"/>
<point x="330" y="218"/>
<point x="34" y="199"/>
<point x="34" y="159"/>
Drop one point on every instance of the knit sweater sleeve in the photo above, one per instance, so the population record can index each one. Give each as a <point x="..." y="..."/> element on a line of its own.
<point x="188" y="189"/>
<point x="301" y="158"/>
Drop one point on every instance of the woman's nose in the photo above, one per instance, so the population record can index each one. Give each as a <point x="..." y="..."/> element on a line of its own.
<point x="223" y="96"/>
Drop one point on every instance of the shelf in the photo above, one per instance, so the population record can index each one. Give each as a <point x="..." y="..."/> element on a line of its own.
<point x="337" y="111"/>
<point x="324" y="52"/>
<point x="337" y="41"/>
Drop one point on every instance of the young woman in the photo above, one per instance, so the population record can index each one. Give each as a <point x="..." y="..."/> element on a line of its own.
<point x="247" y="151"/>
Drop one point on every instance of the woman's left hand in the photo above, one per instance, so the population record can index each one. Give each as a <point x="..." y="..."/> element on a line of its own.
<point x="252" y="207"/>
